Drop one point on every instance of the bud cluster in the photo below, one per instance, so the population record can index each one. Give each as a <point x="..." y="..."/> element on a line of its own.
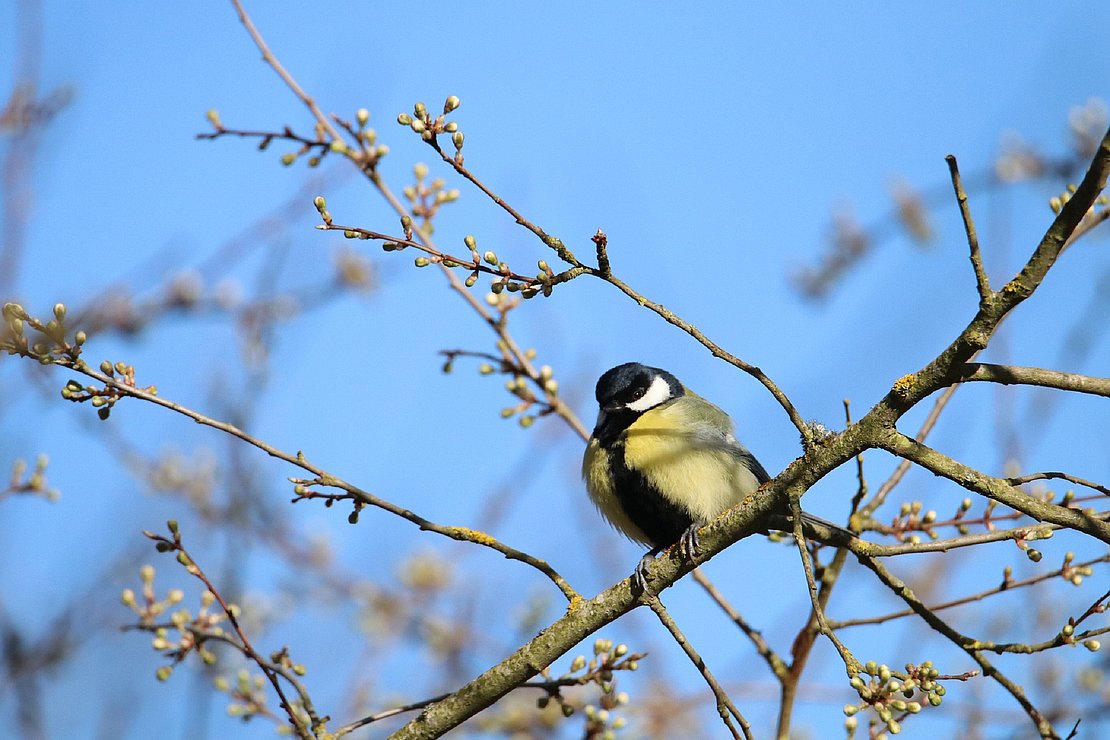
<point x="429" y="128"/>
<point x="894" y="696"/>
<point x="607" y="658"/>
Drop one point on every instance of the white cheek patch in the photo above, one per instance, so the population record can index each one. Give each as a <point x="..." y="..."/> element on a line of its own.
<point x="657" y="393"/>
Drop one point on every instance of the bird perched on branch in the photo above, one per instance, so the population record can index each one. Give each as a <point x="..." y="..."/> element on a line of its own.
<point x="662" y="462"/>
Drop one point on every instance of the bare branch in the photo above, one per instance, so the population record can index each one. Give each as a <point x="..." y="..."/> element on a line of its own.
<point x="1014" y="375"/>
<point x="1044" y="727"/>
<point x="774" y="662"/>
<point x="981" y="281"/>
<point x="725" y="707"/>
<point x="997" y="489"/>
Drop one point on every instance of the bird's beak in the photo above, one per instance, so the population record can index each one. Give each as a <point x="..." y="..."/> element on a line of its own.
<point x="602" y="418"/>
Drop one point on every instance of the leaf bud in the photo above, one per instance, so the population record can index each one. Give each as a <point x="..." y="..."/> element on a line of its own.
<point x="457" y="139"/>
<point x="451" y="103"/>
<point x="404" y="119"/>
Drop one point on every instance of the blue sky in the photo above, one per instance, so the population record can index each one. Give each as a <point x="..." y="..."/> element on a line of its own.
<point x="712" y="144"/>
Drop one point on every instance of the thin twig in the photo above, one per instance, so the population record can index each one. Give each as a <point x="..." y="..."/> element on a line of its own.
<point x="324" y="478"/>
<point x="851" y="665"/>
<point x="604" y="272"/>
<point x="270" y="59"/>
<point x="774" y="662"/>
<point x="981" y="281"/>
<point x="271" y="671"/>
<point x="971" y="647"/>
<point x="1054" y="475"/>
<point x="1004" y="587"/>
<point x="725" y="707"/>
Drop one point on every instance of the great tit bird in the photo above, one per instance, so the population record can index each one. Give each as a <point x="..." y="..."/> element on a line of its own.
<point x="662" y="462"/>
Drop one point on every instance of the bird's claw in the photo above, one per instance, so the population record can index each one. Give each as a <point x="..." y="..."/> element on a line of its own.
<point x="688" y="543"/>
<point x="639" y="576"/>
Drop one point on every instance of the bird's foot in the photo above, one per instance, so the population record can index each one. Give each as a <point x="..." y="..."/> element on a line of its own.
<point x="639" y="576"/>
<point x="688" y="543"/>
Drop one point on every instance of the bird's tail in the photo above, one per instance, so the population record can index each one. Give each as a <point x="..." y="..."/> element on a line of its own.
<point x="814" y="528"/>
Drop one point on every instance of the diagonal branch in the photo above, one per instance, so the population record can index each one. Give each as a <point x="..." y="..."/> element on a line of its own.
<point x="725" y="707"/>
<point x="900" y="589"/>
<point x="324" y="478"/>
<point x="997" y="489"/>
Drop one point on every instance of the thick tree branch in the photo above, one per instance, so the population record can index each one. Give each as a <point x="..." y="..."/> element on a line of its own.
<point x="997" y="489"/>
<point x="1013" y="375"/>
<point x="944" y="369"/>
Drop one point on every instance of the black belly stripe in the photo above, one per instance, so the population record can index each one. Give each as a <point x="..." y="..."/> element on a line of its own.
<point x="657" y="517"/>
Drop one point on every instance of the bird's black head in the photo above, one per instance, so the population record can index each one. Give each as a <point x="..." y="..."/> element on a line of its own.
<point x="628" y="390"/>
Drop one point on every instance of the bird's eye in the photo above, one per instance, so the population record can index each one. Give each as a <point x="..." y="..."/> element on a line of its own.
<point x="638" y="393"/>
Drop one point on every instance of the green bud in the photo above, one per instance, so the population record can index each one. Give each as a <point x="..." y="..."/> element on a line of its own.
<point x="164" y="673"/>
<point x="362" y="116"/>
<point x="485" y="368"/>
<point x="457" y="139"/>
<point x="60" y="311"/>
<point x="418" y="126"/>
<point x="288" y="158"/>
<point x="320" y="203"/>
<point x="850" y="709"/>
<point x="527" y="421"/>
<point x="471" y="280"/>
<point x="1092" y="645"/>
<point x="422" y="261"/>
<point x="420" y="110"/>
<point x="451" y="127"/>
<point x="420" y="170"/>
<point x="404" y="119"/>
<point x="1034" y="555"/>
<point x="213" y="117"/>
<point x="451" y="104"/>
<point x="381" y="151"/>
<point x="80" y="337"/>
<point x="490" y="257"/>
